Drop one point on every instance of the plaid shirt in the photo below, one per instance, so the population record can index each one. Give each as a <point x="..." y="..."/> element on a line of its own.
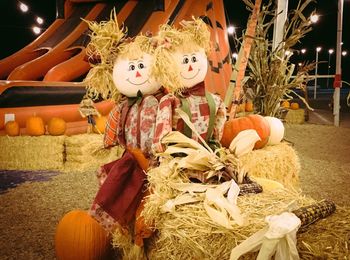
<point x="138" y="126"/>
<point x="168" y="120"/>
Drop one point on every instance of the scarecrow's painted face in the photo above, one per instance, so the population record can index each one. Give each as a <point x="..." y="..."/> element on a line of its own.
<point x="131" y="76"/>
<point x="193" y="67"/>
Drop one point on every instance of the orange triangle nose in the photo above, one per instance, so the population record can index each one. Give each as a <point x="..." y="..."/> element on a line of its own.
<point x="190" y="68"/>
<point x="138" y="74"/>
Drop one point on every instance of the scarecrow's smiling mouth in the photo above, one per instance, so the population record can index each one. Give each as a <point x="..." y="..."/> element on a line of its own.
<point x="137" y="84"/>
<point x="195" y="75"/>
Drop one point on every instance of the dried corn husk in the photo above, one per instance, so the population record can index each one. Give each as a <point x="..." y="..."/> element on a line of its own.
<point x="244" y="142"/>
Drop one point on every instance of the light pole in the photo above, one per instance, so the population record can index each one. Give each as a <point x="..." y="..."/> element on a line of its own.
<point x="330" y="52"/>
<point x="318" y="49"/>
<point x="337" y="78"/>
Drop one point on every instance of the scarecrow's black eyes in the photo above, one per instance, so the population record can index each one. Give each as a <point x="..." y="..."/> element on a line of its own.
<point x="185" y="60"/>
<point x="141" y="65"/>
<point x="194" y="59"/>
<point x="132" y="67"/>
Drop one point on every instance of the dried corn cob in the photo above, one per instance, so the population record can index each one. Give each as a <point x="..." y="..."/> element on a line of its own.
<point x="251" y="187"/>
<point x="314" y="212"/>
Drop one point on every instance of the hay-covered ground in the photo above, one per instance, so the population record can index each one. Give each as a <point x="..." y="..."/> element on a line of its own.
<point x="30" y="212"/>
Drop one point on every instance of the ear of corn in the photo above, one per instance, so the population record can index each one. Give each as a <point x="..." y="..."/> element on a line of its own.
<point x="247" y="188"/>
<point x="315" y="212"/>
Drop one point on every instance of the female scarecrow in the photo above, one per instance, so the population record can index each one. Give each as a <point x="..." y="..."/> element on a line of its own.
<point x="125" y="73"/>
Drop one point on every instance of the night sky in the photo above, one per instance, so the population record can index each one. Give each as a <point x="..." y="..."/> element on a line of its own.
<point x="15" y="27"/>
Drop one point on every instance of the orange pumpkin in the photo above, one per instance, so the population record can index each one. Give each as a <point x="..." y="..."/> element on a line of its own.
<point x="100" y="126"/>
<point x="56" y="126"/>
<point x="294" y="106"/>
<point x="256" y="122"/>
<point x="12" y="128"/>
<point x="35" y="126"/>
<point x="249" y="107"/>
<point x="79" y="236"/>
<point x="285" y="104"/>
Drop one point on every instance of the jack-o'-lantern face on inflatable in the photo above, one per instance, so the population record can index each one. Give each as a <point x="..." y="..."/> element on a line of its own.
<point x="132" y="75"/>
<point x="193" y="67"/>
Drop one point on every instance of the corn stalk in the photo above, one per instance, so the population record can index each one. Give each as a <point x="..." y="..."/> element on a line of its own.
<point x="272" y="77"/>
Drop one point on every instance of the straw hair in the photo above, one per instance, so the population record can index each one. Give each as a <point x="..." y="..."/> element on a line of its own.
<point x="192" y="36"/>
<point x="108" y="43"/>
<point x="104" y="40"/>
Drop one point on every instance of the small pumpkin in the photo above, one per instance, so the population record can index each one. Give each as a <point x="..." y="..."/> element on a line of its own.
<point x="249" y="106"/>
<point x="294" y="105"/>
<point x="56" y="126"/>
<point x="12" y="128"/>
<point x="285" y="104"/>
<point x="79" y="236"/>
<point x="276" y="130"/>
<point x="100" y="125"/>
<point x="35" y="126"/>
<point x="236" y="125"/>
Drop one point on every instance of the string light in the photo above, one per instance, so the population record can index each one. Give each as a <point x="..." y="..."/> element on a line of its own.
<point x="231" y="29"/>
<point x="23" y="7"/>
<point x="314" y="18"/>
<point x="39" y="20"/>
<point x="36" y="29"/>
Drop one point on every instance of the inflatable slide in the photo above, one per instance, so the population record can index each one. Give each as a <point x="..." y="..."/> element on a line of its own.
<point x="44" y="78"/>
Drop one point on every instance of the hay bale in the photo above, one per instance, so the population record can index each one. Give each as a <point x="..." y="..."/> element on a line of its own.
<point x="276" y="162"/>
<point x="85" y="152"/>
<point x="295" y="116"/>
<point x="32" y="153"/>
<point x="188" y="231"/>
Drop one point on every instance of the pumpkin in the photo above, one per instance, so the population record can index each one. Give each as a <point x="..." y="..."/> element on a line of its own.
<point x="56" y="126"/>
<point x="285" y="104"/>
<point x="276" y="130"/>
<point x="100" y="125"/>
<point x="12" y="128"/>
<point x="294" y="106"/>
<point x="249" y="107"/>
<point x="35" y="126"/>
<point x="236" y="125"/>
<point x="79" y="236"/>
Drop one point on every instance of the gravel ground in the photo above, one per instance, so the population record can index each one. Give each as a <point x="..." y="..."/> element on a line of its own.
<point x="30" y="212"/>
<point x="324" y="153"/>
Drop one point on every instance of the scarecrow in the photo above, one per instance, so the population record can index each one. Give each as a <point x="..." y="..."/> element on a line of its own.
<point x="183" y="58"/>
<point x="124" y="72"/>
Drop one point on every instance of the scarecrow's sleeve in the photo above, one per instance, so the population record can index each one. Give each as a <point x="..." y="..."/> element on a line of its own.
<point x="164" y="121"/>
<point x="220" y="118"/>
<point x="111" y="131"/>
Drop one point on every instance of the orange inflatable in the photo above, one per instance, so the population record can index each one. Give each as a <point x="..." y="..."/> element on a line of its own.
<point x="58" y="57"/>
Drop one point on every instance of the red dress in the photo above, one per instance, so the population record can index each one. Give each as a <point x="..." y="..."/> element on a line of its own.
<point x="130" y="124"/>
